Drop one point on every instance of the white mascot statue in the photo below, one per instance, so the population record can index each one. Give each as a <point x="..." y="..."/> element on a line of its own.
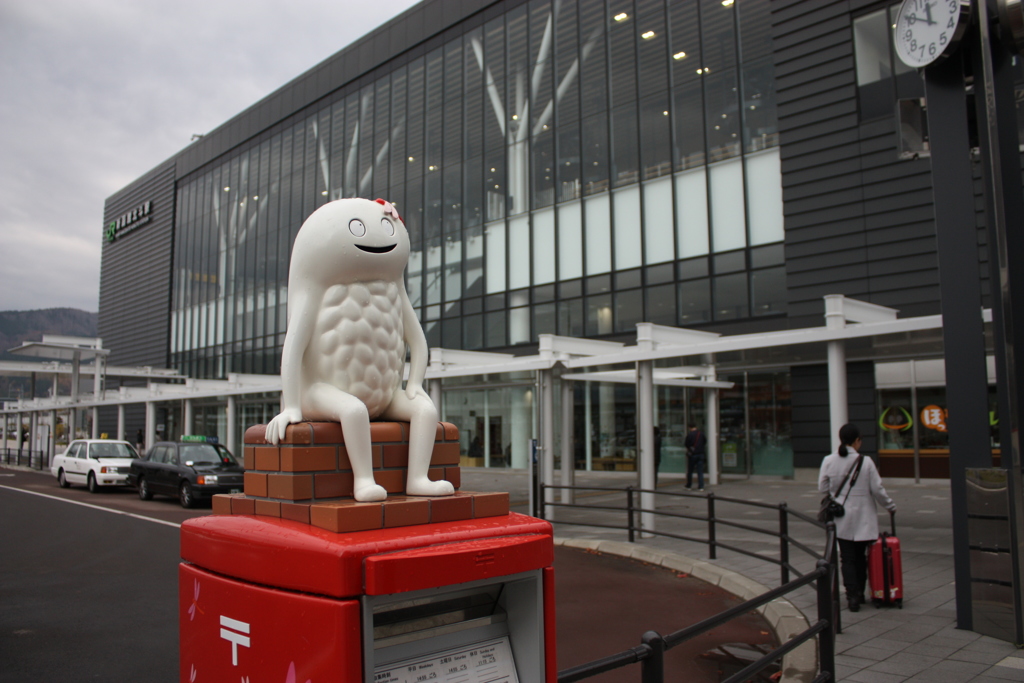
<point x="349" y="320"/>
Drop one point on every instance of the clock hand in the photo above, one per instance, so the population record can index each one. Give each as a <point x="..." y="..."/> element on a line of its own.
<point x="928" y="14"/>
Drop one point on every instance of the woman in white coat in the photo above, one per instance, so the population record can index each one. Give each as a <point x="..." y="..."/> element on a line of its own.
<point x="857" y="529"/>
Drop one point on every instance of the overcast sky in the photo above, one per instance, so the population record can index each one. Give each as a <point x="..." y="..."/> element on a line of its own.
<point x="94" y="93"/>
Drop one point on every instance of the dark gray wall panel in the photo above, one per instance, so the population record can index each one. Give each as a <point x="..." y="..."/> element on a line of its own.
<point x="812" y="437"/>
<point x="135" y="275"/>
<point x="858" y="221"/>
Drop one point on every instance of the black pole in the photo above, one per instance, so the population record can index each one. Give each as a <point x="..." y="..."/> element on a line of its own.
<point x="784" y="542"/>
<point x="826" y="612"/>
<point x="960" y="289"/>
<point x="629" y="513"/>
<point x="998" y="140"/>
<point x="654" y="666"/>
<point x="713" y="550"/>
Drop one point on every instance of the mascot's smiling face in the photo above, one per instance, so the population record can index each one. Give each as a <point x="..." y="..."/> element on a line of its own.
<point x="353" y="240"/>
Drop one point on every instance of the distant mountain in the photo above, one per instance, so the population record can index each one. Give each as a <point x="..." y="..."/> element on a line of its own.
<point x="21" y="326"/>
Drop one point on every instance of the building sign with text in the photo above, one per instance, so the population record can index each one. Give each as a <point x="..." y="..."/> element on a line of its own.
<point x="124" y="224"/>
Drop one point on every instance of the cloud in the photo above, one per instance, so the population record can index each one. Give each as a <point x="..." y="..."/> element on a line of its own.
<point x="97" y="93"/>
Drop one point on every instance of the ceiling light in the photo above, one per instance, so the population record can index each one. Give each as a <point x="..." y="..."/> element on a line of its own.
<point x="621" y="16"/>
<point x="679" y="55"/>
<point x="648" y="35"/>
<point x="727" y="3"/>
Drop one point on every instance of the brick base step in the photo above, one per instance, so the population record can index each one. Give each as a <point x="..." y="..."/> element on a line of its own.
<point x="346" y="515"/>
<point x="307" y="477"/>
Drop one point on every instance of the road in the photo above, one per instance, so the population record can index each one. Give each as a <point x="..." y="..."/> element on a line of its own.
<point x="75" y="606"/>
<point x="88" y="592"/>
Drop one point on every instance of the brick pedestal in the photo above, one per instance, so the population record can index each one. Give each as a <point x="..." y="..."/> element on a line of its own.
<point x="307" y="478"/>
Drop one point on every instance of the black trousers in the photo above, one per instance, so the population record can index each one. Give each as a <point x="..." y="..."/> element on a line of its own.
<point x="853" y="559"/>
<point x="695" y="463"/>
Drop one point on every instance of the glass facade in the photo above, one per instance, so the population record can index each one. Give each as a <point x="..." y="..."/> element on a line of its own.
<point x="569" y="167"/>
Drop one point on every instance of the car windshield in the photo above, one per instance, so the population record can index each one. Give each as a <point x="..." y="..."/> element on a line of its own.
<point x="205" y="454"/>
<point x="111" y="450"/>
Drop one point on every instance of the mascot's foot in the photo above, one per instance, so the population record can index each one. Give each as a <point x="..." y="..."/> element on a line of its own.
<point x="369" y="492"/>
<point x="425" y="487"/>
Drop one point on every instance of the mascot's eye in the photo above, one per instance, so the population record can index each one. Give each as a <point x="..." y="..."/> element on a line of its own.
<point x="388" y="226"/>
<point x="356" y="227"/>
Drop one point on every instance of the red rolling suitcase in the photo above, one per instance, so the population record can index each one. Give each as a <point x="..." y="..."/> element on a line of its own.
<point x="885" y="569"/>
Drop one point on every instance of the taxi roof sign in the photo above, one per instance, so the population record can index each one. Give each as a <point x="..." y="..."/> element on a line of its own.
<point x="198" y="438"/>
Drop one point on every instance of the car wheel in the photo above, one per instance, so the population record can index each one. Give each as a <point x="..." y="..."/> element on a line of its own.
<point x="62" y="480"/>
<point x="93" y="486"/>
<point x="144" y="492"/>
<point x="185" y="495"/>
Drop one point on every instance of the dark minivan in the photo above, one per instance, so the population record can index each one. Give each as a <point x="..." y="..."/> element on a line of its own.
<point x="192" y="469"/>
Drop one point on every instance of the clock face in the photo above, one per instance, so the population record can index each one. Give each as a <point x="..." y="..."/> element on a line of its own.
<point x="929" y="29"/>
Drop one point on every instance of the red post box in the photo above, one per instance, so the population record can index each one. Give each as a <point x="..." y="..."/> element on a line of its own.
<point x="269" y="599"/>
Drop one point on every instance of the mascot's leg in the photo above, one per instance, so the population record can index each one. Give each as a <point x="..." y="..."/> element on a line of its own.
<point x="324" y="402"/>
<point x="422" y="417"/>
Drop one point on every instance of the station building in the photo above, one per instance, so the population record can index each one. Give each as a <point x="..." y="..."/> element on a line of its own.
<point x="567" y="170"/>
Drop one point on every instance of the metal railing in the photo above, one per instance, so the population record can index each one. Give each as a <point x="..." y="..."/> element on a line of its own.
<point x="25" y="457"/>
<point x="650" y="653"/>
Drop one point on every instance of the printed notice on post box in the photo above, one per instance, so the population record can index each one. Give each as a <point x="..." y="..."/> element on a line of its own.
<point x="487" y="662"/>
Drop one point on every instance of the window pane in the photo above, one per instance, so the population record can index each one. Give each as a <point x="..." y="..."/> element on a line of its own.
<point x="474" y="261"/>
<point x="629" y="310"/>
<point x="764" y="197"/>
<point x="628" y="250"/>
<point x="728" y="222"/>
<point x="543" y="157"/>
<point x="570" y="241"/>
<point x="494" y="329"/>
<point x="659" y="236"/>
<point x="543" y="319"/>
<point x="519" y="252"/>
<point x="544" y="247"/>
<point x="655" y="143"/>
<point x="622" y="56"/>
<point x="570" y="318"/>
<point x="593" y="81"/>
<point x="694" y="302"/>
<point x="494" y="235"/>
<point x="731" y="297"/>
<point x="598" y="230"/>
<point x="768" y="288"/>
<point x="595" y="154"/>
<point x="625" y="159"/>
<point x="599" y="314"/>
<point x="568" y="167"/>
<point x="874" y="67"/>
<point x="692" y="213"/>
<point x="661" y="304"/>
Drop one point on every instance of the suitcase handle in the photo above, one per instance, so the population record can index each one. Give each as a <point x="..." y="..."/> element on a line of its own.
<point x="892" y="519"/>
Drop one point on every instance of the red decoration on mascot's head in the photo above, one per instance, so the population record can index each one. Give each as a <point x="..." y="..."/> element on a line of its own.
<point x="389" y="208"/>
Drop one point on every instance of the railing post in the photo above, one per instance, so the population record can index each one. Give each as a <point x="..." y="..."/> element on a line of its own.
<point x="711" y="526"/>
<point x="831" y="527"/>
<point x="629" y="513"/>
<point x="654" y="666"/>
<point x="826" y="611"/>
<point x="784" y="541"/>
<point x="538" y="503"/>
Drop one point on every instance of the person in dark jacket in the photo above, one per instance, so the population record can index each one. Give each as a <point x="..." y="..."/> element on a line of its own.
<point x="696" y="456"/>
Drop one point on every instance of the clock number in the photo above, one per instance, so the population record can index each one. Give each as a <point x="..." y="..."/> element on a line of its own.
<point x="911" y="19"/>
<point x="908" y="35"/>
<point x="951" y="24"/>
<point x="953" y="6"/>
<point x="931" y="49"/>
<point x="913" y="46"/>
<point x="943" y="39"/>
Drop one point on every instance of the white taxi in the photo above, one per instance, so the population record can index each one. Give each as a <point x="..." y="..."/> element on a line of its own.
<point x="95" y="463"/>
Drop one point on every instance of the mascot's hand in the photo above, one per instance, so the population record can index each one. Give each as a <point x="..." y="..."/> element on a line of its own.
<point x="277" y="426"/>
<point x="414" y="389"/>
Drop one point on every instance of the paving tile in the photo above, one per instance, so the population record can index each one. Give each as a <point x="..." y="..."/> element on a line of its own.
<point x="978" y="657"/>
<point x="949" y="672"/>
<point x="904" y="664"/>
<point x="875" y="677"/>
<point x="873" y="653"/>
<point x="1014" y="661"/>
<point x="926" y="647"/>
<point x="1003" y="673"/>
<point x="856" y="663"/>
<point x="985" y="644"/>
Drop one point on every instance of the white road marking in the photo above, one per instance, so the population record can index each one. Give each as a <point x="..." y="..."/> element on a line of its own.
<point x="94" y="507"/>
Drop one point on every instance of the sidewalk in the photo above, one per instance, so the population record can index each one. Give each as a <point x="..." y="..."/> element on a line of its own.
<point x="917" y="643"/>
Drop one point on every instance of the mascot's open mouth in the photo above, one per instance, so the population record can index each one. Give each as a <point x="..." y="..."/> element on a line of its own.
<point x="377" y="250"/>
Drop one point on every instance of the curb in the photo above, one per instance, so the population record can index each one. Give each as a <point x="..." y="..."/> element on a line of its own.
<point x="799" y="666"/>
